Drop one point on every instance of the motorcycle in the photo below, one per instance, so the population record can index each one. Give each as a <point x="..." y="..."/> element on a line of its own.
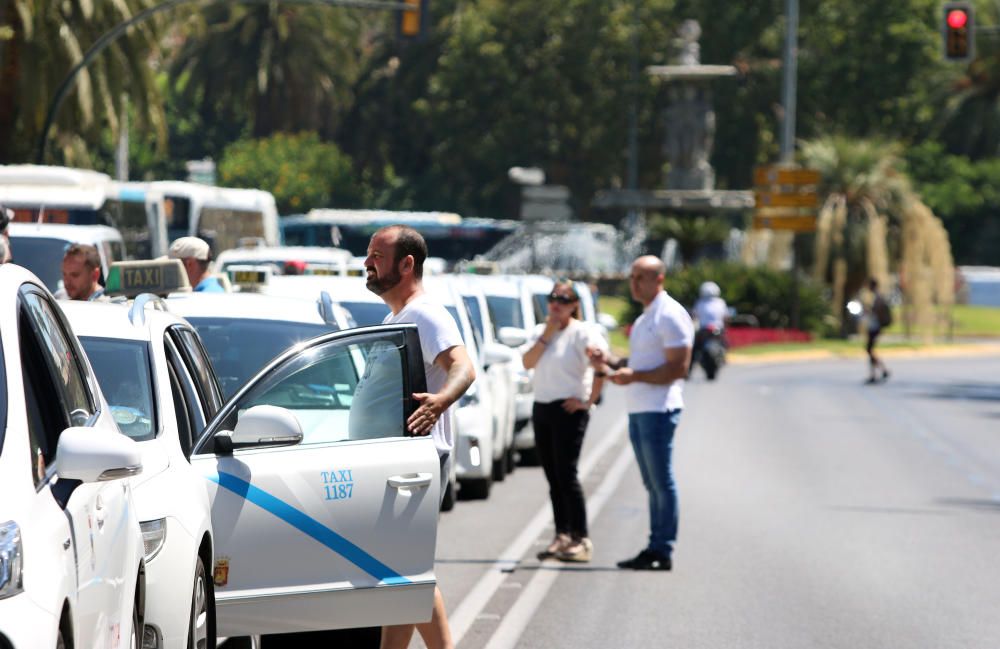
<point x="709" y="350"/>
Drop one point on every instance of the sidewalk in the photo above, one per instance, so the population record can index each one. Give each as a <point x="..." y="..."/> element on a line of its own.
<point x="939" y="350"/>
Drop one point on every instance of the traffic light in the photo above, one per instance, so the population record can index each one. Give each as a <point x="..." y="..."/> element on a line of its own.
<point x="958" y="31"/>
<point x="412" y="19"/>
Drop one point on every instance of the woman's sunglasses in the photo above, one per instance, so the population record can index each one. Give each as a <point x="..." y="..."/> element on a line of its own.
<point x="561" y="299"/>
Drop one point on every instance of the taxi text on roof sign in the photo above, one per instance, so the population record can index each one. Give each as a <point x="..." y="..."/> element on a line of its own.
<point x="158" y="276"/>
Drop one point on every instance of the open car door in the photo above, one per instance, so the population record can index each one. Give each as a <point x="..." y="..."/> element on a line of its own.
<point x="324" y="510"/>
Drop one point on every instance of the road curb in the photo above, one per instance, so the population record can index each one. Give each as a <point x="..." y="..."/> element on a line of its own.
<point x="931" y="351"/>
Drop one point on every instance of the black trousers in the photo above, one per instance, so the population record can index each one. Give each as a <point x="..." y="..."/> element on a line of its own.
<point x="559" y="438"/>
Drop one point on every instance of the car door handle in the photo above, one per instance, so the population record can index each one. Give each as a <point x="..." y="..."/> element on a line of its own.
<point x="410" y="480"/>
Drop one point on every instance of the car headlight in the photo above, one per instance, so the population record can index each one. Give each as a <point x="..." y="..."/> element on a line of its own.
<point x="11" y="560"/>
<point x="154" y="533"/>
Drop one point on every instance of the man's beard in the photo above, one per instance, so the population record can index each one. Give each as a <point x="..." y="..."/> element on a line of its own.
<point x="379" y="285"/>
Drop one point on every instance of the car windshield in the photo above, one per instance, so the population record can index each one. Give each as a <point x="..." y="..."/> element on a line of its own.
<point x="239" y="347"/>
<point x="505" y="312"/>
<point x="42" y="256"/>
<point x="124" y="373"/>
<point x="367" y="313"/>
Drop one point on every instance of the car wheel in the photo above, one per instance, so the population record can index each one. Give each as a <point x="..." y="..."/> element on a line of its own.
<point x="476" y="489"/>
<point x="198" y="622"/>
<point x="510" y="461"/>
<point x="448" y="503"/>
<point x="499" y="468"/>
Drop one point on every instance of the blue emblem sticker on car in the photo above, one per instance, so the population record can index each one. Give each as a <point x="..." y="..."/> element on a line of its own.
<point x="338" y="484"/>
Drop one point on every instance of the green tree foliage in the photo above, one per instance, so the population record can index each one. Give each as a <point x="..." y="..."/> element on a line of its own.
<point x="301" y="171"/>
<point x="40" y="42"/>
<point x="277" y="66"/>
<point x="965" y="193"/>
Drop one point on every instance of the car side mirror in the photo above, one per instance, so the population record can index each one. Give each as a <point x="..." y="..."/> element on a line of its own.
<point x="607" y="321"/>
<point x="90" y="455"/>
<point x="496" y="353"/>
<point x="266" y="426"/>
<point x="512" y="336"/>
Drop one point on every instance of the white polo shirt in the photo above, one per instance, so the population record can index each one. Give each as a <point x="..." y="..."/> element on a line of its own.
<point x="664" y="324"/>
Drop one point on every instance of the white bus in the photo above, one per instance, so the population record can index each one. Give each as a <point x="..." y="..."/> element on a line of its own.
<point x="43" y="194"/>
<point x="220" y="215"/>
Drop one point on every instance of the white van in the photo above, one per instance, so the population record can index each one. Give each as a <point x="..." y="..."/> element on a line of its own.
<point x="222" y="216"/>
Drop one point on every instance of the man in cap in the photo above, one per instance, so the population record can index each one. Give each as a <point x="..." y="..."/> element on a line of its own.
<point x="194" y="254"/>
<point x="81" y="272"/>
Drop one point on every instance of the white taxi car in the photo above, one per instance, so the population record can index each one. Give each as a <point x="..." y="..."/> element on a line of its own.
<point x="309" y="460"/>
<point x="71" y="553"/>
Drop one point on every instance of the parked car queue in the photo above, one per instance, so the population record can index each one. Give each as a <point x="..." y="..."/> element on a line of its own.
<point x="212" y="486"/>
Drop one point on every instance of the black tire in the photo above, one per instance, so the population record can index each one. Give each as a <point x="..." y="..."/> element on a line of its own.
<point x="510" y="461"/>
<point x="200" y="619"/>
<point x="476" y="489"/>
<point x="499" y="470"/>
<point x="448" y="503"/>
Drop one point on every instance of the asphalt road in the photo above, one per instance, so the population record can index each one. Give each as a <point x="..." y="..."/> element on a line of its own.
<point x="815" y="512"/>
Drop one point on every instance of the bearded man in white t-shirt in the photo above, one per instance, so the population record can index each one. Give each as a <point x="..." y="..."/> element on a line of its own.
<point x="395" y="268"/>
<point x="659" y="355"/>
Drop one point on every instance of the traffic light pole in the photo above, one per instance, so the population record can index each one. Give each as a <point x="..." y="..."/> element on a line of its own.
<point x="116" y="32"/>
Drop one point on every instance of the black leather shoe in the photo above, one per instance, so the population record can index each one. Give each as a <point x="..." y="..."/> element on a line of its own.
<point x="647" y="560"/>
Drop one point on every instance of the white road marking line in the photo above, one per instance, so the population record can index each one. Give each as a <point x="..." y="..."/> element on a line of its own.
<point x="475" y="601"/>
<point x="524" y="609"/>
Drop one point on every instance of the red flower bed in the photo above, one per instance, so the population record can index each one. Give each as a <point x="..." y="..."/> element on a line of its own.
<point x="741" y="336"/>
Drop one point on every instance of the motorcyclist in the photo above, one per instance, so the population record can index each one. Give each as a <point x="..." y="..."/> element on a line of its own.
<point x="710" y="313"/>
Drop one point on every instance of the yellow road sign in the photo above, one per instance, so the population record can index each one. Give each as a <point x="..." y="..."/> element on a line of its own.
<point x="776" y="199"/>
<point x="771" y="175"/>
<point x="793" y="223"/>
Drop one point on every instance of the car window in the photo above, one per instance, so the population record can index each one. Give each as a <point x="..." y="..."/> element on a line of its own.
<point x="48" y="368"/>
<point x="42" y="256"/>
<point x="339" y="390"/>
<point x="201" y="368"/>
<point x="62" y="357"/>
<point x="540" y="304"/>
<point x="185" y="387"/>
<point x="182" y="413"/>
<point x="367" y="313"/>
<point x="505" y="312"/>
<point x="240" y="347"/>
<point x="124" y="372"/>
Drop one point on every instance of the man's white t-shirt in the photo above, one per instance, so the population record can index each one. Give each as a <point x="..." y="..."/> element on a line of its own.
<point x="563" y="371"/>
<point x="438" y="332"/>
<point x="664" y="324"/>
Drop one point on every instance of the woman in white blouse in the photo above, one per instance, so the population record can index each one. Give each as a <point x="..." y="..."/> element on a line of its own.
<point x="566" y="390"/>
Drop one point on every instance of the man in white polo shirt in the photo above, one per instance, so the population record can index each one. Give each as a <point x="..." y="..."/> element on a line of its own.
<point x="660" y="352"/>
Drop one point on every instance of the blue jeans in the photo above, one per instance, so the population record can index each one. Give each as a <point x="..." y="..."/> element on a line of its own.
<point x="652" y="436"/>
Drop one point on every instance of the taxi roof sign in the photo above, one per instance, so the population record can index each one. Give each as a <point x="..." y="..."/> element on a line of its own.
<point x="157" y="276"/>
<point x="249" y="277"/>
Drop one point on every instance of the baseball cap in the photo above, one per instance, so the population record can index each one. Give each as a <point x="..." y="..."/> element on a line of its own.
<point x="188" y="247"/>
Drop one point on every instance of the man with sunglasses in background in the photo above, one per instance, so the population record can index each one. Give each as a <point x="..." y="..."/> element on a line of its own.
<point x="660" y="353"/>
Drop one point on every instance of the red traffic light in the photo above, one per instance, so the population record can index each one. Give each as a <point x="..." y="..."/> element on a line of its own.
<point x="957" y="18"/>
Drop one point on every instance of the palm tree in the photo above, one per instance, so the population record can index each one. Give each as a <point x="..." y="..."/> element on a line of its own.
<point x="284" y="68"/>
<point x="871" y="223"/>
<point x="41" y="43"/>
